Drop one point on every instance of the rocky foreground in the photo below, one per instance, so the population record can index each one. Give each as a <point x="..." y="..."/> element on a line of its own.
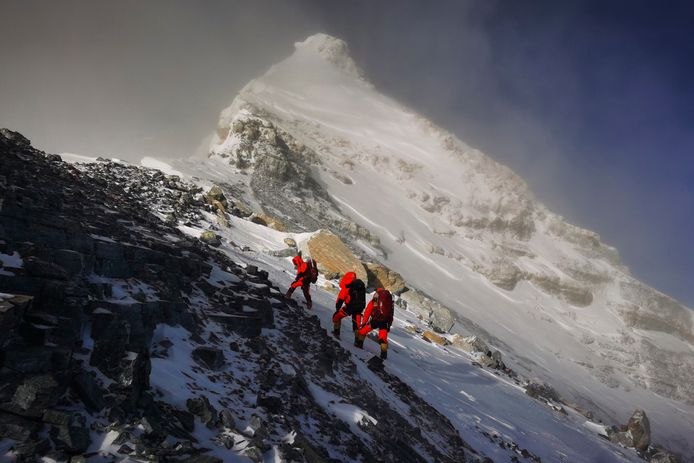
<point x="95" y="288"/>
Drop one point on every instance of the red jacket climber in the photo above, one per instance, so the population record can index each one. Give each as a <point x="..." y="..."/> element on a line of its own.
<point x="350" y="301"/>
<point x="302" y="280"/>
<point x="378" y="315"/>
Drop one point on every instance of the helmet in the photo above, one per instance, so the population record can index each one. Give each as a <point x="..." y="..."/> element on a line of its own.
<point x="347" y="279"/>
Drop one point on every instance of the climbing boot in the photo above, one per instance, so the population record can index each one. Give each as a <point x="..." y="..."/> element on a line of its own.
<point x="359" y="340"/>
<point x="336" y="329"/>
<point x="384" y="350"/>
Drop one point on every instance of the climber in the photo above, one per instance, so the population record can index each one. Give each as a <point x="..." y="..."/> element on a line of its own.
<point x="378" y="315"/>
<point x="350" y="301"/>
<point x="303" y="279"/>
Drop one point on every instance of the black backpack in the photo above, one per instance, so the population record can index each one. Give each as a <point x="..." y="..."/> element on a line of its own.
<point x="312" y="270"/>
<point x="357" y="297"/>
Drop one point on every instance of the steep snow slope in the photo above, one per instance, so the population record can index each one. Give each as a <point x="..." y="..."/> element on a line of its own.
<point x="490" y="412"/>
<point x="316" y="144"/>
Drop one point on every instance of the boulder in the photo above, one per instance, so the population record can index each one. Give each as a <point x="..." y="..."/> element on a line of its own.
<point x="201" y="407"/>
<point x="87" y="389"/>
<point x="381" y="276"/>
<point x="133" y="374"/>
<point x="635" y="434"/>
<point x="269" y="221"/>
<point x="663" y="456"/>
<point x="290" y="242"/>
<point x="17" y="428"/>
<point x="491" y="360"/>
<point x="71" y="439"/>
<point x="34" y="395"/>
<point x="239" y="209"/>
<point x="542" y="391"/>
<point x="440" y="317"/>
<point x="12" y="310"/>
<point x="215" y="194"/>
<point x="42" y="269"/>
<point x="245" y="324"/>
<point x="227" y="419"/>
<point x="334" y="257"/>
<point x="640" y="430"/>
<point x="209" y="357"/>
<point x="211" y="238"/>
<point x="469" y="343"/>
<point x="434" y="338"/>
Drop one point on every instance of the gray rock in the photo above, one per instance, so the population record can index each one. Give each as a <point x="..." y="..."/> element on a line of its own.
<point x="211" y="238"/>
<point x="663" y="456"/>
<point x="216" y="194"/>
<point x="202" y="408"/>
<point x="248" y="326"/>
<point x="640" y="430"/>
<point x="286" y="252"/>
<point x="209" y="357"/>
<point x="469" y="344"/>
<point x="34" y="395"/>
<point x="440" y="317"/>
<point x="62" y="418"/>
<point x="32" y="449"/>
<point x="42" y="269"/>
<point x="133" y="377"/>
<point x="17" y="428"/>
<point x="15" y="138"/>
<point x="12" y="312"/>
<point x="272" y="404"/>
<point x="542" y="391"/>
<point x="72" y="439"/>
<point x="227" y="419"/>
<point x="86" y="387"/>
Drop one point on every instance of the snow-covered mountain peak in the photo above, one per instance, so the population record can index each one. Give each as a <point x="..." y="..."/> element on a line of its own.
<point x="333" y="50"/>
<point x="319" y="147"/>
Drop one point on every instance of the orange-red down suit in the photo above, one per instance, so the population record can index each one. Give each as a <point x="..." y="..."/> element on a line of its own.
<point x="302" y="280"/>
<point x="378" y="315"/>
<point x="346" y="303"/>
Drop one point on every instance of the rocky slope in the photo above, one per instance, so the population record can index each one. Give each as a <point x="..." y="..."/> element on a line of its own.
<point x="314" y="144"/>
<point x="122" y="337"/>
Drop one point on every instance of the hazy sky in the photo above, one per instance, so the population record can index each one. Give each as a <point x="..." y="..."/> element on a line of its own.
<point x="592" y="102"/>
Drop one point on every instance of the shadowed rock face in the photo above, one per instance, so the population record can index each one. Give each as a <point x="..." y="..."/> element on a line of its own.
<point x="91" y="273"/>
<point x="652" y="310"/>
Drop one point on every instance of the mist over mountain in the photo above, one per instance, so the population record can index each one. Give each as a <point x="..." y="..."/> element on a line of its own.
<point x="145" y="318"/>
<point x="588" y="102"/>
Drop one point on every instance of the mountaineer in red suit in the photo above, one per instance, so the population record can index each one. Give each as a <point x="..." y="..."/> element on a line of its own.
<point x="303" y="280"/>
<point x="378" y="315"/>
<point x="350" y="301"/>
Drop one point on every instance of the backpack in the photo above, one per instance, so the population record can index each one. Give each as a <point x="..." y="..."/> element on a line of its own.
<point x="357" y="296"/>
<point x="312" y="270"/>
<point x="383" y="310"/>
